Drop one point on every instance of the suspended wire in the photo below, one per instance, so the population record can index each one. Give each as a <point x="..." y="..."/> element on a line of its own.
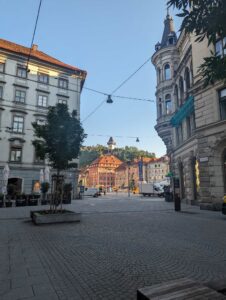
<point x="32" y="41"/>
<point x="128" y="78"/>
<point x="116" y="89"/>
<point x="89" y="89"/>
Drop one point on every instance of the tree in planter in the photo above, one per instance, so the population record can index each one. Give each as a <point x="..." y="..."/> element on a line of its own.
<point x="67" y="192"/>
<point x="206" y="19"/>
<point x="59" y="140"/>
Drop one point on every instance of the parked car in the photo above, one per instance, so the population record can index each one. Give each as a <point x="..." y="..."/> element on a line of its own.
<point x="93" y="192"/>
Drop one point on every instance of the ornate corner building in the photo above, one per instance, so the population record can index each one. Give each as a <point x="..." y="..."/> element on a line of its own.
<point x="191" y="119"/>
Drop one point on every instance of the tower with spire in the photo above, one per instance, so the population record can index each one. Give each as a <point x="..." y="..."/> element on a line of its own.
<point x="111" y="144"/>
<point x="165" y="59"/>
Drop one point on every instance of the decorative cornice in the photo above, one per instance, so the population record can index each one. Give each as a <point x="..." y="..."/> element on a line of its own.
<point x="64" y="96"/>
<point x="19" y="111"/>
<point x="42" y="91"/>
<point x="16" y="139"/>
<point x="21" y="86"/>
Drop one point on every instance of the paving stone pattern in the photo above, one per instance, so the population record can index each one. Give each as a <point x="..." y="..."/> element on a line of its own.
<point x="121" y="245"/>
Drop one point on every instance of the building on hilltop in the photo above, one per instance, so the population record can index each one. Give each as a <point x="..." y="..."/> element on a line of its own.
<point x="27" y="89"/>
<point x="191" y="118"/>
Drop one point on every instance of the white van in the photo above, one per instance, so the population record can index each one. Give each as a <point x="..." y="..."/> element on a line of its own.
<point x="93" y="192"/>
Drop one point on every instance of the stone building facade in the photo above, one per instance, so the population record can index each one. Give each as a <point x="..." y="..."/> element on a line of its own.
<point x="157" y="169"/>
<point x="27" y="89"/>
<point x="191" y="118"/>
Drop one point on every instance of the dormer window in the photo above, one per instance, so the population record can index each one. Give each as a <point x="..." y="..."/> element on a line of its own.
<point x="167" y="72"/>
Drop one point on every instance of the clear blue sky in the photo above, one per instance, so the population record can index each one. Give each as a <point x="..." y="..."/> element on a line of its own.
<point x="108" y="39"/>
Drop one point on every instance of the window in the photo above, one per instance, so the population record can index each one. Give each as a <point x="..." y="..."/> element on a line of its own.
<point x="15" y="154"/>
<point x="42" y="100"/>
<point x="176" y="96"/>
<point x="20" y="96"/>
<point x="63" y="83"/>
<point x="2" y="67"/>
<point x="1" y="92"/>
<point x="181" y="88"/>
<point x="62" y="101"/>
<point x="222" y="96"/>
<point x="40" y="122"/>
<point x="37" y="159"/>
<point x="188" y="123"/>
<point x="220" y="47"/>
<point x="159" y="74"/>
<point x="43" y="78"/>
<point x="167" y="72"/>
<point x="187" y="78"/>
<point x="18" y="124"/>
<point x="160" y="110"/>
<point x="21" y="72"/>
<point x="168" y="104"/>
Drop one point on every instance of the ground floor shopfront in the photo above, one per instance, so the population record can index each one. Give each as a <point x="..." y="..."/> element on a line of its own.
<point x="199" y="165"/>
<point x="27" y="180"/>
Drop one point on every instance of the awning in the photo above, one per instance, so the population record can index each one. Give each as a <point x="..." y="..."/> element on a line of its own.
<point x="185" y="111"/>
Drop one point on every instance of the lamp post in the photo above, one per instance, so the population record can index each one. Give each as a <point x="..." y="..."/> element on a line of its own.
<point x="128" y="163"/>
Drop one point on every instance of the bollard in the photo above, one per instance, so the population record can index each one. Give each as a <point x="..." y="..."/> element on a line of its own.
<point x="177" y="203"/>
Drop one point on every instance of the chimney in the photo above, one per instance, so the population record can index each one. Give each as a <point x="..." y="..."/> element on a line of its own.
<point x="34" y="47"/>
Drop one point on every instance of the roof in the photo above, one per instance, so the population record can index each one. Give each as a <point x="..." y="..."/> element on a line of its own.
<point x="36" y="54"/>
<point x="107" y="159"/>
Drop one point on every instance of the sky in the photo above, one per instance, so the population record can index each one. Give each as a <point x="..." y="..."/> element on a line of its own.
<point x="110" y="40"/>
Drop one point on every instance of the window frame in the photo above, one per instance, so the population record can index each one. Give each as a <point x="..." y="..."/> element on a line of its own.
<point x="62" y="101"/>
<point x="222" y="48"/>
<point x="15" y="149"/>
<point x="167" y="76"/>
<point x="3" y="67"/>
<point x="1" y="92"/>
<point x="17" y="129"/>
<point x="20" y="91"/>
<point x="63" y="80"/>
<point x="38" y="101"/>
<point x="43" y="75"/>
<point x="222" y="102"/>
<point x="22" y="69"/>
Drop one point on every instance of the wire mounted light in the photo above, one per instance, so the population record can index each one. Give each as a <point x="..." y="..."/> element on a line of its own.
<point x="109" y="100"/>
<point x="137" y="140"/>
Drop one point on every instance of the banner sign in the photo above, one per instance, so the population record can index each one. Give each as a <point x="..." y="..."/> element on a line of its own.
<point x="140" y="167"/>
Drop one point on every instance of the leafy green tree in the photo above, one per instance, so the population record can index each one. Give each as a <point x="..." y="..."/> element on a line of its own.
<point x="60" y="139"/>
<point x="206" y="19"/>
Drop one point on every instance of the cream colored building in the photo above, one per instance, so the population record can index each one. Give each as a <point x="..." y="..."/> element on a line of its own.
<point x="26" y="92"/>
<point x="157" y="169"/>
<point x="191" y="119"/>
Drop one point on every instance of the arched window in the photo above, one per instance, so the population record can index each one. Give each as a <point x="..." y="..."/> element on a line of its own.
<point x="176" y="96"/>
<point x="168" y="104"/>
<point x="187" y="78"/>
<point x="159" y="74"/>
<point x="160" y="107"/>
<point x="167" y="72"/>
<point x="181" y="88"/>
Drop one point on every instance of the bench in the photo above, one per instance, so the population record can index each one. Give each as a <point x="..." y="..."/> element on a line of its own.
<point x="180" y="289"/>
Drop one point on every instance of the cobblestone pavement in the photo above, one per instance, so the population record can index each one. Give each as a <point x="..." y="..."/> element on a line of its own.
<point x="120" y="245"/>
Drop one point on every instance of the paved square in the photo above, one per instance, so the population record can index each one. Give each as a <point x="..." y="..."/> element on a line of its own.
<point x="121" y="245"/>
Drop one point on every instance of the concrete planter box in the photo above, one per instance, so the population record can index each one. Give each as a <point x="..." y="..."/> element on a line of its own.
<point x="66" y="217"/>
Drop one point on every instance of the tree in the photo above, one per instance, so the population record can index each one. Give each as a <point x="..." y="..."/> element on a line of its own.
<point x="60" y="139"/>
<point x="206" y="19"/>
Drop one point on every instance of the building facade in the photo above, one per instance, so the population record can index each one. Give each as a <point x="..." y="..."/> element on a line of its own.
<point x="101" y="172"/>
<point x="158" y="169"/>
<point x="27" y="88"/>
<point x="191" y="118"/>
